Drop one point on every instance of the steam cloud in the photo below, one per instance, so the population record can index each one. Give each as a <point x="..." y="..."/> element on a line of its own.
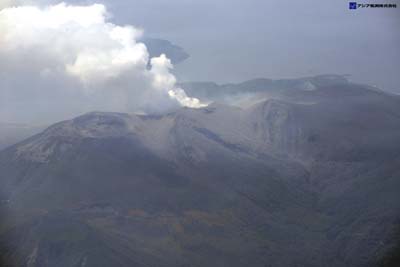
<point x="62" y="60"/>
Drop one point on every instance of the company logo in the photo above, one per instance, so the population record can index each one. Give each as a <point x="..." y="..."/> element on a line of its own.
<point x="353" y="5"/>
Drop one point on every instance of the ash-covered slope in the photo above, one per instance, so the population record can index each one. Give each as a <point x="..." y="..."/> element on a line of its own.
<point x="305" y="90"/>
<point x="164" y="186"/>
<point x="311" y="179"/>
<point x="12" y="133"/>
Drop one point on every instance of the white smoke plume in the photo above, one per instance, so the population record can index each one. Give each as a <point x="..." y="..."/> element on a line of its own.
<point x="62" y="60"/>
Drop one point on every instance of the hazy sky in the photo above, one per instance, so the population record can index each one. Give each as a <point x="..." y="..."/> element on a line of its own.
<point x="234" y="40"/>
<point x="229" y="41"/>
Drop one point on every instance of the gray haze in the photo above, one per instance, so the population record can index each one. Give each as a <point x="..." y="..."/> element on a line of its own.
<point x="235" y="40"/>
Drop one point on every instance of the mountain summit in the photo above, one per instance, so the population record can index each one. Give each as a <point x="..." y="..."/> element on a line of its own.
<point x="306" y="176"/>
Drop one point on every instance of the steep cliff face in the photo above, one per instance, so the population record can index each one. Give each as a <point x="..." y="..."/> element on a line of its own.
<point x="276" y="124"/>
